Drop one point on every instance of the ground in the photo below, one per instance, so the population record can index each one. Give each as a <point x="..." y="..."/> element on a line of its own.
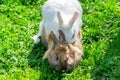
<point x="21" y="59"/>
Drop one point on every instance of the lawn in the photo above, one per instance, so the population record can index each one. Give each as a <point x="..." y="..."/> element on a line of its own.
<point x="21" y="59"/>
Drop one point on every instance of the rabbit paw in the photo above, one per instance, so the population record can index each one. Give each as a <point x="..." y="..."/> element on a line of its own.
<point x="36" y="39"/>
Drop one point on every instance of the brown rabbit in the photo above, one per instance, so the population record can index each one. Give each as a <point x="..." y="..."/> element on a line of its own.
<point x="62" y="55"/>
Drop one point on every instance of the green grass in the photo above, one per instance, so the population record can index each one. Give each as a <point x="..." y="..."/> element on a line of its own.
<point x="21" y="59"/>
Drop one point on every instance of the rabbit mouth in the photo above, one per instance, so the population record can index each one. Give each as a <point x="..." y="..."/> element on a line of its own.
<point x="67" y="68"/>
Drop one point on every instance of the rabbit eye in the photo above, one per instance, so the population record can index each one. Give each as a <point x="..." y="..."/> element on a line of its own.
<point x="59" y="36"/>
<point x="57" y="58"/>
<point x="73" y="36"/>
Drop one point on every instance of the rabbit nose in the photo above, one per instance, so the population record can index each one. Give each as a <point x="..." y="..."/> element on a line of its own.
<point x="63" y="68"/>
<point x="52" y="66"/>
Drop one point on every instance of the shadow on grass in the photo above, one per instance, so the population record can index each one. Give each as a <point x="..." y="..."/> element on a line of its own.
<point x="36" y="62"/>
<point x="108" y="65"/>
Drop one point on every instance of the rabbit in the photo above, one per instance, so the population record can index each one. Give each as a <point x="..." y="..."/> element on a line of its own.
<point x="61" y="55"/>
<point x="61" y="14"/>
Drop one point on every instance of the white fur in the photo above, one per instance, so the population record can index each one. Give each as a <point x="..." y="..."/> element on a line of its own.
<point x="67" y="8"/>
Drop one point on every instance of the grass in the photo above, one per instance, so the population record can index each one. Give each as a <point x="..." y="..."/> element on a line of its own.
<point x="21" y="59"/>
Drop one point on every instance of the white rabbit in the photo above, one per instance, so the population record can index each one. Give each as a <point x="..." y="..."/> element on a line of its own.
<point x="65" y="15"/>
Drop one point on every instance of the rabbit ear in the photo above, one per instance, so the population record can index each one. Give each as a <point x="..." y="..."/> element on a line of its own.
<point x="52" y="41"/>
<point x="74" y="18"/>
<point x="61" y="36"/>
<point x="53" y="36"/>
<point x="46" y="54"/>
<point x="59" y="18"/>
<point x="75" y="49"/>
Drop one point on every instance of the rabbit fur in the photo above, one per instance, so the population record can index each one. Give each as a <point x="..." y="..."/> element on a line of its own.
<point x="65" y="15"/>
<point x="60" y="54"/>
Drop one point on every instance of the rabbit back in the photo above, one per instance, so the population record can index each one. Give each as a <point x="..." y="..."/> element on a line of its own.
<point x="67" y="8"/>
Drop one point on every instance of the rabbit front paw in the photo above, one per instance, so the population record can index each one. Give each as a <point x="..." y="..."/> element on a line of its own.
<point x="36" y="39"/>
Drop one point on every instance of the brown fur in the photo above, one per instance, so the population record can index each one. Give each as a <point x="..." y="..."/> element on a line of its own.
<point x="61" y="55"/>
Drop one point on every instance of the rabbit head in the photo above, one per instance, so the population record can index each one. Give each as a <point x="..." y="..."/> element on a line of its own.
<point x="62" y="55"/>
<point x="69" y="24"/>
